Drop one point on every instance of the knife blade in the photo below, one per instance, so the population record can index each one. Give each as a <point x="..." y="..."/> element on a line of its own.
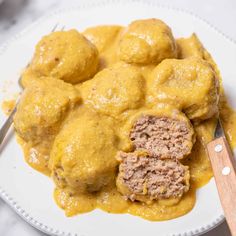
<point x="219" y="131"/>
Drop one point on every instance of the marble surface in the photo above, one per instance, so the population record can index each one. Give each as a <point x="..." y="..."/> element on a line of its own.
<point x="17" y="14"/>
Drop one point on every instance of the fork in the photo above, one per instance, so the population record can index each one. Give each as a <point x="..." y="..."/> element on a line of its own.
<point x="7" y="124"/>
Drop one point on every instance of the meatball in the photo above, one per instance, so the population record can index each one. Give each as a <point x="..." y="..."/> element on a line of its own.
<point x="42" y="108"/>
<point x="147" y="42"/>
<point x="189" y="47"/>
<point x="189" y="84"/>
<point x="162" y="137"/>
<point x="106" y="39"/>
<point x="143" y="177"/>
<point x="192" y="47"/>
<point x="102" y="36"/>
<point x="83" y="154"/>
<point x="28" y="77"/>
<point x="66" y="55"/>
<point x="115" y="90"/>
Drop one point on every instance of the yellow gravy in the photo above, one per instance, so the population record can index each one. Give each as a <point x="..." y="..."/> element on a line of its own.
<point x="109" y="199"/>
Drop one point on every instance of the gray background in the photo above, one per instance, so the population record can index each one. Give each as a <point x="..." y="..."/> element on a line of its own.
<point x="17" y="14"/>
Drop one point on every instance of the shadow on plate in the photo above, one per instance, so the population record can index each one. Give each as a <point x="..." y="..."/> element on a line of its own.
<point x="10" y="9"/>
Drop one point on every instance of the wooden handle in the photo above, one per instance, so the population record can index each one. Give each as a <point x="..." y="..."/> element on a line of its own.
<point x="224" y="168"/>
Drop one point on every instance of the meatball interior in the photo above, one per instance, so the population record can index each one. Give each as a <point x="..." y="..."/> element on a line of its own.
<point x="143" y="177"/>
<point x="163" y="137"/>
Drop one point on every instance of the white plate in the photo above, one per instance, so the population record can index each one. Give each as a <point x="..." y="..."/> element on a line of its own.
<point x="30" y="193"/>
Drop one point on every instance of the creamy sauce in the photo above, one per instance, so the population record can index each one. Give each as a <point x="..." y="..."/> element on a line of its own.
<point x="8" y="106"/>
<point x="106" y="39"/>
<point x="111" y="201"/>
<point x="228" y="117"/>
<point x="37" y="156"/>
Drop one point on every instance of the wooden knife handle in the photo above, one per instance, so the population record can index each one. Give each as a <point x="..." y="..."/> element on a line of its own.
<point x="224" y="168"/>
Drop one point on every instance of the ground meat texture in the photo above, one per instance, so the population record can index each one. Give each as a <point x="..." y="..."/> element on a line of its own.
<point x="163" y="137"/>
<point x="143" y="177"/>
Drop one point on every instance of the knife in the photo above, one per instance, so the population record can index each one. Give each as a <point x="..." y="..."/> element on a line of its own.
<point x="224" y="168"/>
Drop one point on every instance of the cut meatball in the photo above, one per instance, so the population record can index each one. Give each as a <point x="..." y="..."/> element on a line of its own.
<point x="143" y="177"/>
<point x="162" y="137"/>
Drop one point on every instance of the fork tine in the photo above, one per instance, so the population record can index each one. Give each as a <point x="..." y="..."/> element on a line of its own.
<point x="55" y="27"/>
<point x="62" y="28"/>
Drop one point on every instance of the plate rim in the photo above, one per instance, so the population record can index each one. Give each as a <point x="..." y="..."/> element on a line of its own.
<point x="83" y="6"/>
